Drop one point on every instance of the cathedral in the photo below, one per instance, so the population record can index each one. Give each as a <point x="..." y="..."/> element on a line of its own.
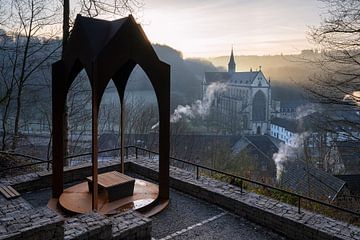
<point x="245" y="107"/>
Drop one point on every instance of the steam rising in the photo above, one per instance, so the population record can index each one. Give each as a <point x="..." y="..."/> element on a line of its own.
<point x="286" y="152"/>
<point x="200" y="108"/>
<point x="305" y="110"/>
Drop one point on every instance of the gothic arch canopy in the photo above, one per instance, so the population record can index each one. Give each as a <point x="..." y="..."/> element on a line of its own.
<point x="108" y="50"/>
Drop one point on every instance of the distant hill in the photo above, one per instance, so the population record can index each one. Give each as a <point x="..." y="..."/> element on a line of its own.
<point x="284" y="68"/>
<point x="186" y="75"/>
<point x="287" y="72"/>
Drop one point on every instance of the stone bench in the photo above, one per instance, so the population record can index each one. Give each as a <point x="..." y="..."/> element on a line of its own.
<point x="114" y="184"/>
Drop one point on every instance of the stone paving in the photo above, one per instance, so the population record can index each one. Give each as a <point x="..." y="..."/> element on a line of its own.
<point x="185" y="218"/>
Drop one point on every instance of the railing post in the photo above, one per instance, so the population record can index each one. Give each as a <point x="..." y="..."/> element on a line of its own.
<point x="136" y="152"/>
<point x="197" y="173"/>
<point x="241" y="186"/>
<point x="299" y="202"/>
<point x="127" y="152"/>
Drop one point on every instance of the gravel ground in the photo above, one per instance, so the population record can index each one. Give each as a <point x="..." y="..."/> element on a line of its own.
<point x="41" y="197"/>
<point x="191" y="218"/>
<point x="38" y="198"/>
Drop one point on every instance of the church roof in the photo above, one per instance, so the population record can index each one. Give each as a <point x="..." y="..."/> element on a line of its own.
<point x="263" y="144"/>
<point x="290" y="125"/>
<point x="243" y="78"/>
<point x="232" y="59"/>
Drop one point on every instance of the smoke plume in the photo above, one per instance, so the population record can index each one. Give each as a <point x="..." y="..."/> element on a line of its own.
<point x="200" y="108"/>
<point x="305" y="110"/>
<point x="287" y="153"/>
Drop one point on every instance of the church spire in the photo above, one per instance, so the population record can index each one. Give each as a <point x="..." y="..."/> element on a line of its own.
<point x="231" y="64"/>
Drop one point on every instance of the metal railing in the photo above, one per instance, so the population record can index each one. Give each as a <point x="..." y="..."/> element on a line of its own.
<point x="198" y="167"/>
<point x="38" y="161"/>
<point x="243" y="179"/>
<point x="42" y="161"/>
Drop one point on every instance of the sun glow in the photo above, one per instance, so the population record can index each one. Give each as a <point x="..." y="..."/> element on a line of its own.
<point x="202" y="30"/>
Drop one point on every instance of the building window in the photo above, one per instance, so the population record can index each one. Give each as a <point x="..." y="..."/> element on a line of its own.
<point x="258" y="130"/>
<point x="259" y="107"/>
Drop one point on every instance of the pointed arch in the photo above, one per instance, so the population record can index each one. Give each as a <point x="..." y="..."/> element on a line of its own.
<point x="110" y="53"/>
<point x="259" y="106"/>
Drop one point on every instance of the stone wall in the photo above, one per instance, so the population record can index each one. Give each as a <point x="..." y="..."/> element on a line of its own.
<point x="88" y="226"/>
<point x="39" y="180"/>
<point x="18" y="220"/>
<point x="281" y="217"/>
<point x="128" y="225"/>
<point x="276" y="215"/>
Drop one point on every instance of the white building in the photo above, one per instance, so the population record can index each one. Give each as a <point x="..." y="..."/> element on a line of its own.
<point x="284" y="130"/>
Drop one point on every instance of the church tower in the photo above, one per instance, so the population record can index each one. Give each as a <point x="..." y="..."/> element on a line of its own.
<point x="231" y="64"/>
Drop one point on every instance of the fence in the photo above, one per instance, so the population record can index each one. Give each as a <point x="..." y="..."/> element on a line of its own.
<point x="197" y="167"/>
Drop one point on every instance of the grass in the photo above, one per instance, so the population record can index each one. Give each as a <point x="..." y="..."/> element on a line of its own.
<point x="287" y="198"/>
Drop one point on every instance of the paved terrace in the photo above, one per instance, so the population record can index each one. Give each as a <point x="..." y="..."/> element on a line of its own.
<point x="187" y="218"/>
<point x="191" y="218"/>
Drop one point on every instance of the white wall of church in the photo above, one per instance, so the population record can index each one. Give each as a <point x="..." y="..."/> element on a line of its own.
<point x="239" y="100"/>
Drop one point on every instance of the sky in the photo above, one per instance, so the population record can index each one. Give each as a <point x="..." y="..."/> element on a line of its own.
<point x="209" y="28"/>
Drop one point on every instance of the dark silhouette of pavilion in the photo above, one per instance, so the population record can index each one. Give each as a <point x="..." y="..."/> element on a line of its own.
<point x="108" y="50"/>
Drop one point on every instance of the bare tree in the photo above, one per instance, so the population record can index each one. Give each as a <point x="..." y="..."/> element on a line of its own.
<point x="338" y="38"/>
<point x="28" y="24"/>
<point x="26" y="46"/>
<point x="336" y="86"/>
<point x="7" y="85"/>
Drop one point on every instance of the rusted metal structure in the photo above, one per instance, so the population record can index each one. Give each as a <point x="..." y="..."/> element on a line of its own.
<point x="108" y="50"/>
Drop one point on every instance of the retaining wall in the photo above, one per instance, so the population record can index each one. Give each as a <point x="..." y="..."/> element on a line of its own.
<point x="273" y="214"/>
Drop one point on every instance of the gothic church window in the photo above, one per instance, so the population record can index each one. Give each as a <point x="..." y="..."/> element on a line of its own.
<point x="259" y="107"/>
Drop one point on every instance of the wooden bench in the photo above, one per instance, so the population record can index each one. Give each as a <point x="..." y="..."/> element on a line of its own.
<point x="116" y="185"/>
<point x="9" y="192"/>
